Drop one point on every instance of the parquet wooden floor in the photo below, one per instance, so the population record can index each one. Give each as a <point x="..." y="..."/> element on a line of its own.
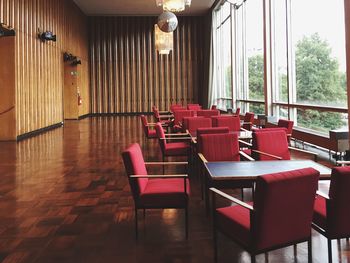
<point x="64" y="197"/>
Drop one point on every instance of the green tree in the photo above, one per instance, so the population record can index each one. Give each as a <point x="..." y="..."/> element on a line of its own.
<point x="318" y="81"/>
<point x="256" y="77"/>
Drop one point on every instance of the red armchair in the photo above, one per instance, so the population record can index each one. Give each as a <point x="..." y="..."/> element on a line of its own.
<point x="178" y="148"/>
<point x="238" y="111"/>
<point x="332" y="213"/>
<point x="248" y="121"/>
<point x="213" y="107"/>
<point x="164" y="119"/>
<point x="149" y="133"/>
<point x="194" y="107"/>
<point x="191" y="124"/>
<point x="178" y="118"/>
<point x="232" y="122"/>
<point x="212" y="130"/>
<point x="175" y="107"/>
<point x="280" y="216"/>
<point x="272" y="144"/>
<point x="208" y="113"/>
<point x="154" y="191"/>
<point x="220" y="147"/>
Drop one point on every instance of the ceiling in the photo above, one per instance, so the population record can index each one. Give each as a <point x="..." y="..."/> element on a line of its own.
<point x="136" y="7"/>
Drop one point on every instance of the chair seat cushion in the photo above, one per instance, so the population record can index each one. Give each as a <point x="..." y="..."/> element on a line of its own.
<point x="235" y="222"/>
<point x="177" y="148"/>
<point x="320" y="212"/>
<point x="152" y="134"/>
<point x="168" y="193"/>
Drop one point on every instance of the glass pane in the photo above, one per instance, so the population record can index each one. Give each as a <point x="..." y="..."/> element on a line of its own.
<point x="257" y="108"/>
<point x="282" y="112"/>
<point x="279" y="46"/>
<point x="254" y="47"/>
<point x="319" y="46"/>
<point x="322" y="121"/>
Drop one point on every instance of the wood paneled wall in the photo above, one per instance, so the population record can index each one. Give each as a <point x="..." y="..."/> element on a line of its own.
<point x="39" y="66"/>
<point x="128" y="75"/>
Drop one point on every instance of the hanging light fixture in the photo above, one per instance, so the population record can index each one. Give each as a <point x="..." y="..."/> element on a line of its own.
<point x="173" y="5"/>
<point x="163" y="40"/>
<point x="167" y="22"/>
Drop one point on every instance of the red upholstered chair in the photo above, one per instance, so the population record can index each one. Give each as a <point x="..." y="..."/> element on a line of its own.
<point x="208" y="113"/>
<point x="288" y="125"/>
<point x="238" y="111"/>
<point x="175" y="107"/>
<point x="280" y="215"/>
<point x="332" y="212"/>
<point x="212" y="130"/>
<point x="178" y="118"/>
<point x="164" y="119"/>
<point x="272" y="144"/>
<point x="221" y="147"/>
<point x="180" y="146"/>
<point x="191" y="124"/>
<point x="213" y="107"/>
<point x="149" y="133"/>
<point x="194" y="107"/>
<point x="248" y="121"/>
<point x="154" y="191"/>
<point x="232" y="122"/>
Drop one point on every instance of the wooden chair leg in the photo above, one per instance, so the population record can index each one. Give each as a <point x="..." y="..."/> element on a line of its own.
<point x="266" y="257"/>
<point x="329" y="242"/>
<point x="252" y="256"/>
<point x="295" y="250"/>
<point x="136" y="224"/>
<point x="242" y="194"/>
<point x="309" y="250"/>
<point x="186" y="222"/>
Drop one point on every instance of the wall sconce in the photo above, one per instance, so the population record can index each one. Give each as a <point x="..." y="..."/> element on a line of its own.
<point x="6" y="31"/>
<point x="68" y="57"/>
<point x="47" y="36"/>
<point x="163" y="41"/>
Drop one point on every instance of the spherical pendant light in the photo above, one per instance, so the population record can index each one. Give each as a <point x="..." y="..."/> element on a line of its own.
<point x="167" y="22"/>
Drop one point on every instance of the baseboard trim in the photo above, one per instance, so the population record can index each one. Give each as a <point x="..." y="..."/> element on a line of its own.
<point x="39" y="131"/>
<point x="119" y="114"/>
<point x="84" y="116"/>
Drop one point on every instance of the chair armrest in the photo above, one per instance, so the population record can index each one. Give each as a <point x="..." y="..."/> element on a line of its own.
<point x="325" y="196"/>
<point x="176" y="138"/>
<point x="163" y="112"/>
<point x="203" y="159"/>
<point x="246" y="122"/>
<point x="231" y="198"/>
<point x="150" y="124"/>
<point x="301" y="150"/>
<point x="166" y="163"/>
<point x="343" y="162"/>
<point x="177" y="134"/>
<point x="249" y="158"/>
<point x="242" y="129"/>
<point x="245" y="143"/>
<point x="166" y="116"/>
<point x="160" y="176"/>
<point x="267" y="154"/>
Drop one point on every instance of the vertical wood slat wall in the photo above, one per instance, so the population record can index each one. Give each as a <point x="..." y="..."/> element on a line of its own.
<point x="128" y="75"/>
<point x="39" y="66"/>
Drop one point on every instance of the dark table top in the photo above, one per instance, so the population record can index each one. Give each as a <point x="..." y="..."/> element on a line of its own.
<point x="241" y="134"/>
<point x="251" y="170"/>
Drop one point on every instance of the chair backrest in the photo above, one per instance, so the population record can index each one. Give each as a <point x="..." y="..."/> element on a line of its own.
<point x="249" y="119"/>
<point x="193" y="123"/>
<point x="145" y="125"/>
<point x="213" y="107"/>
<point x="194" y="107"/>
<point x="286" y="124"/>
<point x="283" y="205"/>
<point x="135" y="165"/>
<point x="272" y="142"/>
<point x="161" y="136"/>
<point x="338" y="214"/>
<point x="232" y="122"/>
<point x="212" y="130"/>
<point x="180" y="114"/>
<point x="156" y="114"/>
<point x="238" y="111"/>
<point x="173" y="107"/>
<point x="220" y="147"/>
<point x="208" y="113"/>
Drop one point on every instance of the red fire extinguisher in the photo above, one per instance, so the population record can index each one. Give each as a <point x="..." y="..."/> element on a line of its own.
<point x="80" y="100"/>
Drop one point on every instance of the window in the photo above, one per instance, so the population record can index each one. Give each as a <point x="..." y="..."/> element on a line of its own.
<point x="223" y="98"/>
<point x="250" y="55"/>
